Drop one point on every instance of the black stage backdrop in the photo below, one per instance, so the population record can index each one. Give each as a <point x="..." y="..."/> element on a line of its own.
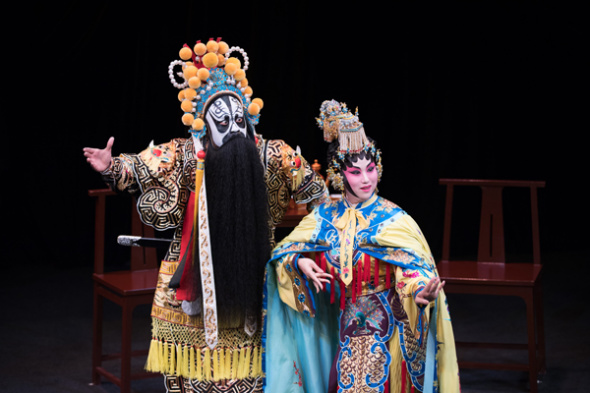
<point x="486" y="90"/>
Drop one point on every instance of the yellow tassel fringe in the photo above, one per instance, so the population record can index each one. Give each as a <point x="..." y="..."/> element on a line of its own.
<point x="185" y="361"/>
<point x="227" y="365"/>
<point x="206" y="365"/>
<point x="192" y="374"/>
<point x="199" y="371"/>
<point x="165" y="363"/>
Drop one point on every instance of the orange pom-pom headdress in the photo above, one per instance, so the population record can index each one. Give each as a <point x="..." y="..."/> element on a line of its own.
<point x="207" y="70"/>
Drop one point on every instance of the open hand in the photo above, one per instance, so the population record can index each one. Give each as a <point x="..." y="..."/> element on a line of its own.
<point x="313" y="272"/>
<point x="430" y="291"/>
<point x="99" y="159"/>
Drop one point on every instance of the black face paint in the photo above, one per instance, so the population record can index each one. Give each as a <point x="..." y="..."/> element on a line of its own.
<point x="225" y="118"/>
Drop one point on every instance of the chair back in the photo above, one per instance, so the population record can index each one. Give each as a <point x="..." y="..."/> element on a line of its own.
<point x="141" y="257"/>
<point x="491" y="226"/>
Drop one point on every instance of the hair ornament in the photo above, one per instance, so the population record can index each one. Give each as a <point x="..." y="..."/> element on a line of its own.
<point x="205" y="71"/>
<point x="340" y="125"/>
<point x="335" y="178"/>
<point x="338" y="122"/>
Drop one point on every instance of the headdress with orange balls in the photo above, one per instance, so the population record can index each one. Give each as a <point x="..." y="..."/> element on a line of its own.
<point x="344" y="127"/>
<point x="208" y="71"/>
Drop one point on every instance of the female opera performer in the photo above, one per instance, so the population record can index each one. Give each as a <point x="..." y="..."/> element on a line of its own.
<point x="353" y="300"/>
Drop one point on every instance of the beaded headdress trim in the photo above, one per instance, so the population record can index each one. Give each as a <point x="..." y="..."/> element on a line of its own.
<point x="339" y="123"/>
<point x="207" y="71"/>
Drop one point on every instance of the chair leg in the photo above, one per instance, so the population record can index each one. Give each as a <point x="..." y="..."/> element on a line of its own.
<point x="532" y="342"/>
<point x="540" y="318"/>
<point x="127" y="318"/>
<point x="96" y="335"/>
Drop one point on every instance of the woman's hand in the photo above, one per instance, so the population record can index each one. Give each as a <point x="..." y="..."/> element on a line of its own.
<point x="99" y="159"/>
<point x="430" y="291"/>
<point x="313" y="272"/>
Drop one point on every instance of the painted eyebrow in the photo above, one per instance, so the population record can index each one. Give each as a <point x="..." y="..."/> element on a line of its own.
<point x="356" y="167"/>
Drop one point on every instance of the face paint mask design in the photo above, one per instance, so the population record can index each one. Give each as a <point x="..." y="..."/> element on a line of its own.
<point x="225" y="118"/>
<point x="362" y="180"/>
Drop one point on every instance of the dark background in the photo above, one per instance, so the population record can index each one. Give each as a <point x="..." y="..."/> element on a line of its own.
<point x="492" y="90"/>
<point x="486" y="90"/>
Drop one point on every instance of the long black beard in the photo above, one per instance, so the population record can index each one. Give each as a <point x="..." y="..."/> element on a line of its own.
<point x="239" y="228"/>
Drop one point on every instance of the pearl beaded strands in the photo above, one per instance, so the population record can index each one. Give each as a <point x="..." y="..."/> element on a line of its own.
<point x="208" y="69"/>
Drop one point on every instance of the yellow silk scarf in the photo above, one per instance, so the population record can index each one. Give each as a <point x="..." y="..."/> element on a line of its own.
<point x="348" y="225"/>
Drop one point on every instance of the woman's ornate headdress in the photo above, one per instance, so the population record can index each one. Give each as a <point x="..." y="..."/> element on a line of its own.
<point x="338" y="123"/>
<point x="207" y="70"/>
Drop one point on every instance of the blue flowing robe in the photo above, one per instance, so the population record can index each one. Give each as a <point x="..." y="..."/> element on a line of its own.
<point x="375" y="338"/>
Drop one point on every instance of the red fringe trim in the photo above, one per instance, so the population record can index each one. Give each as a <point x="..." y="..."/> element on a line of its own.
<point x="332" y="286"/>
<point x="187" y="291"/>
<point x="353" y="284"/>
<point x="359" y="287"/>
<point x="376" y="272"/>
<point x="342" y="295"/>
<point x="404" y="371"/>
<point x="367" y="268"/>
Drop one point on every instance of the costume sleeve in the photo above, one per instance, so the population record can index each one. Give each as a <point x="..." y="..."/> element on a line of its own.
<point x="301" y="234"/>
<point x="119" y="176"/>
<point x="404" y="233"/>
<point x="155" y="160"/>
<point x="304" y="184"/>
<point x="313" y="191"/>
<point x="409" y="282"/>
<point x="294" y="289"/>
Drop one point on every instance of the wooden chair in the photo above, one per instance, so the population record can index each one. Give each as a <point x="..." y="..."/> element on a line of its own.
<point x="126" y="288"/>
<point x="491" y="275"/>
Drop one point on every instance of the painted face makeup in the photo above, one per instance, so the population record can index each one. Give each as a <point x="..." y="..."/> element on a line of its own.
<point x="362" y="180"/>
<point x="225" y="118"/>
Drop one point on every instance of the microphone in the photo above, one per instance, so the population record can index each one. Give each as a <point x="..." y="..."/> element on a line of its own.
<point x="138" y="241"/>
